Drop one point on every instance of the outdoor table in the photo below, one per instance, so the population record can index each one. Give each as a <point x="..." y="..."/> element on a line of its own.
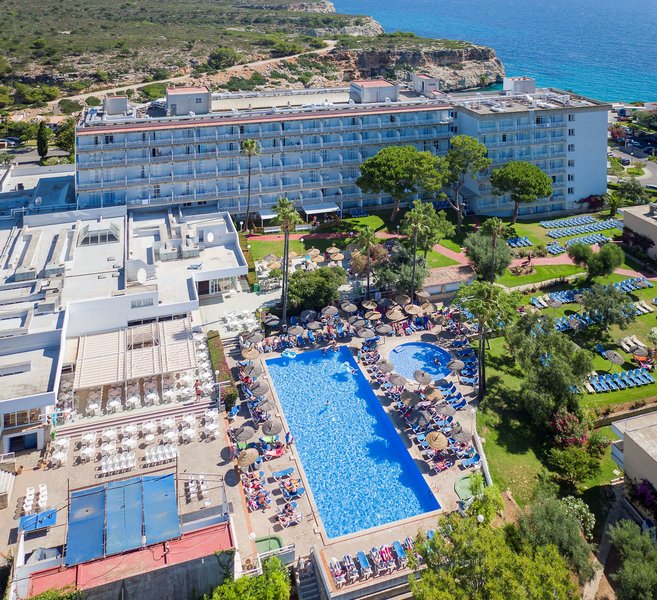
<point x="168" y="423"/>
<point x="89" y="438"/>
<point x="130" y="444"/>
<point x="170" y="436"/>
<point x="108" y="449"/>
<point x="189" y="433"/>
<point x="114" y="405"/>
<point x="149" y="427"/>
<point x="109" y="435"/>
<point x="93" y="408"/>
<point x="59" y="457"/>
<point x="61" y="443"/>
<point x="87" y="452"/>
<point x="133" y="401"/>
<point x="189" y="419"/>
<point x="149" y="439"/>
<point x="131" y="429"/>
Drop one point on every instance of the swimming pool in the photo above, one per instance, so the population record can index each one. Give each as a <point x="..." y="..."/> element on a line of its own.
<point x="408" y="358"/>
<point x="360" y="473"/>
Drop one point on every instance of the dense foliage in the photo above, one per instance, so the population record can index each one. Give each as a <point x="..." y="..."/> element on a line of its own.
<point x="637" y="577"/>
<point x="610" y="306"/>
<point x="397" y="273"/>
<point x="273" y="584"/>
<point x="524" y="182"/>
<point x="487" y="255"/>
<point x="469" y="561"/>
<point x="598" y="264"/>
<point x="315" y="289"/>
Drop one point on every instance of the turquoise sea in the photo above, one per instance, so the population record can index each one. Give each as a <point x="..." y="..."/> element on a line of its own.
<point x="601" y="48"/>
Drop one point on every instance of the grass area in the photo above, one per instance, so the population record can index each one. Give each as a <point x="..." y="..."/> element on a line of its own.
<point x="436" y="260"/>
<point x="218" y="359"/>
<point x="541" y="273"/>
<point x="260" y="248"/>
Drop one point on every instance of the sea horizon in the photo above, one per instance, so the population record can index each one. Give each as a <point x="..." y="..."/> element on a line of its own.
<point x="593" y="49"/>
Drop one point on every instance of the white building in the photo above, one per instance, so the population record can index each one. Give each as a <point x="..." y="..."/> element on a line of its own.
<point x="313" y="142"/>
<point x="78" y="287"/>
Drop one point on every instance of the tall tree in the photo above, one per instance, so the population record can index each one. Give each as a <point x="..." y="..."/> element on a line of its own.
<point x="436" y="227"/>
<point x="365" y="239"/>
<point x="415" y="221"/>
<point x="601" y="264"/>
<point x="42" y="140"/>
<point x="466" y="157"/>
<point x="636" y="578"/>
<point x="287" y="217"/>
<point x="549" y="521"/>
<point x="631" y="191"/>
<point x="613" y="201"/>
<point x="250" y="148"/>
<point x="397" y="273"/>
<point x="523" y="181"/>
<point x="401" y="172"/>
<point x="493" y="308"/>
<point x="65" y="136"/>
<point x="554" y="367"/>
<point x="469" y="561"/>
<point x="610" y="306"/>
<point x="487" y="261"/>
<point x="497" y="230"/>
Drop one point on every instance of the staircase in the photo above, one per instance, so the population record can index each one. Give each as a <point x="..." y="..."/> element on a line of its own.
<point x="231" y="347"/>
<point x="307" y="588"/>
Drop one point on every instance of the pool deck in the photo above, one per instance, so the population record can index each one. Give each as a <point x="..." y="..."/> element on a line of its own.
<point x="310" y="532"/>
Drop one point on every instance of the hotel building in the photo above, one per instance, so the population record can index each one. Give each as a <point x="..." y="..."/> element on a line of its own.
<point x="313" y="141"/>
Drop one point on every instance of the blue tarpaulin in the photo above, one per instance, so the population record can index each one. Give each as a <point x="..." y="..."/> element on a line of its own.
<point x="86" y="520"/>
<point x="123" y="515"/>
<point x="112" y="518"/>
<point x="160" y="509"/>
<point x="41" y="520"/>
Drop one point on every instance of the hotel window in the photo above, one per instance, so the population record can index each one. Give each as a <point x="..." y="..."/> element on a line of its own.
<point x="571" y="190"/>
<point x="571" y="163"/>
<point x="156" y="190"/>
<point x="571" y="177"/>
<point x="539" y="120"/>
<point x="109" y="139"/>
<point x="571" y="147"/>
<point x="571" y="132"/>
<point x="141" y="303"/>
<point x="571" y="117"/>
<point x="198" y="100"/>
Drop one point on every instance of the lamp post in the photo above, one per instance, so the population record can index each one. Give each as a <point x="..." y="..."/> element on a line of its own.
<point x="241" y="225"/>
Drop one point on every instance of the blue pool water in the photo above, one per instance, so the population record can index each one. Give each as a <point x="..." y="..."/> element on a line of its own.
<point x="360" y="473"/>
<point x="410" y="357"/>
<point x="601" y="48"/>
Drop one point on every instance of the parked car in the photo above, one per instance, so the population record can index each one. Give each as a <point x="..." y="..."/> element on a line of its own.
<point x="650" y="186"/>
<point x="625" y="161"/>
<point x="7" y="143"/>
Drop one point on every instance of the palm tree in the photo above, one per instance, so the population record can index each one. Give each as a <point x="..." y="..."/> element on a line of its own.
<point x="493" y="307"/>
<point x="250" y="148"/>
<point x="415" y="222"/>
<point x="365" y="239"/>
<point x="496" y="229"/>
<point x="287" y="217"/>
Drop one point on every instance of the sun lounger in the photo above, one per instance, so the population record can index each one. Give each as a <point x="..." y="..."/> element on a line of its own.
<point x="276" y="453"/>
<point x="400" y="554"/>
<point x="284" y="473"/>
<point x="364" y="567"/>
<point x="337" y="572"/>
<point x="471" y="462"/>
<point x="292" y="495"/>
<point x="635" y="340"/>
<point x="647" y="375"/>
<point x="351" y="573"/>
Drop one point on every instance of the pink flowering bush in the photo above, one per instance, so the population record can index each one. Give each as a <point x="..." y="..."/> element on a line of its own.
<point x="568" y="430"/>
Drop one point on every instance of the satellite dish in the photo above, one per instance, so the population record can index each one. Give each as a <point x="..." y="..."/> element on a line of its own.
<point x="141" y="276"/>
<point x="38" y="200"/>
<point x="210" y="237"/>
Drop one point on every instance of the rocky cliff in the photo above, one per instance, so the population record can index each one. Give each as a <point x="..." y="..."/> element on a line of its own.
<point x="461" y="67"/>
<point x="323" y="7"/>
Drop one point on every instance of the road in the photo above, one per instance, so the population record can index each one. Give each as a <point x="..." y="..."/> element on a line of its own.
<point x="187" y="79"/>
<point x="650" y="168"/>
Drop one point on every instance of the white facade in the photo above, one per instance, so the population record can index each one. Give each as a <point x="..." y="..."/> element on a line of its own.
<point x="74" y="273"/>
<point x="312" y="153"/>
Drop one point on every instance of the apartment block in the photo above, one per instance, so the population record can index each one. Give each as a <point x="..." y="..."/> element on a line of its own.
<point x="313" y="142"/>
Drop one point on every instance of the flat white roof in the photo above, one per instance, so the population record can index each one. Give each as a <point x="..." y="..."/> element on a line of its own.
<point x="134" y="353"/>
<point x="27" y="373"/>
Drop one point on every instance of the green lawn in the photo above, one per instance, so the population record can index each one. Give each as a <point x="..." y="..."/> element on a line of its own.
<point x="260" y="248"/>
<point x="436" y="259"/>
<point x="542" y="273"/>
<point x="513" y="450"/>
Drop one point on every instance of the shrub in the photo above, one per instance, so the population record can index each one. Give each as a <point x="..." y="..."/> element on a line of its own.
<point x="153" y="91"/>
<point x="568" y="429"/>
<point x="93" y="101"/>
<point x="540" y="251"/>
<point x="223" y="57"/>
<point x="218" y="359"/>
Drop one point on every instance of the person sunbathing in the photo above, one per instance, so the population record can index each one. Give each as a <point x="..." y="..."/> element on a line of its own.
<point x="291" y="485"/>
<point x="288" y="510"/>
